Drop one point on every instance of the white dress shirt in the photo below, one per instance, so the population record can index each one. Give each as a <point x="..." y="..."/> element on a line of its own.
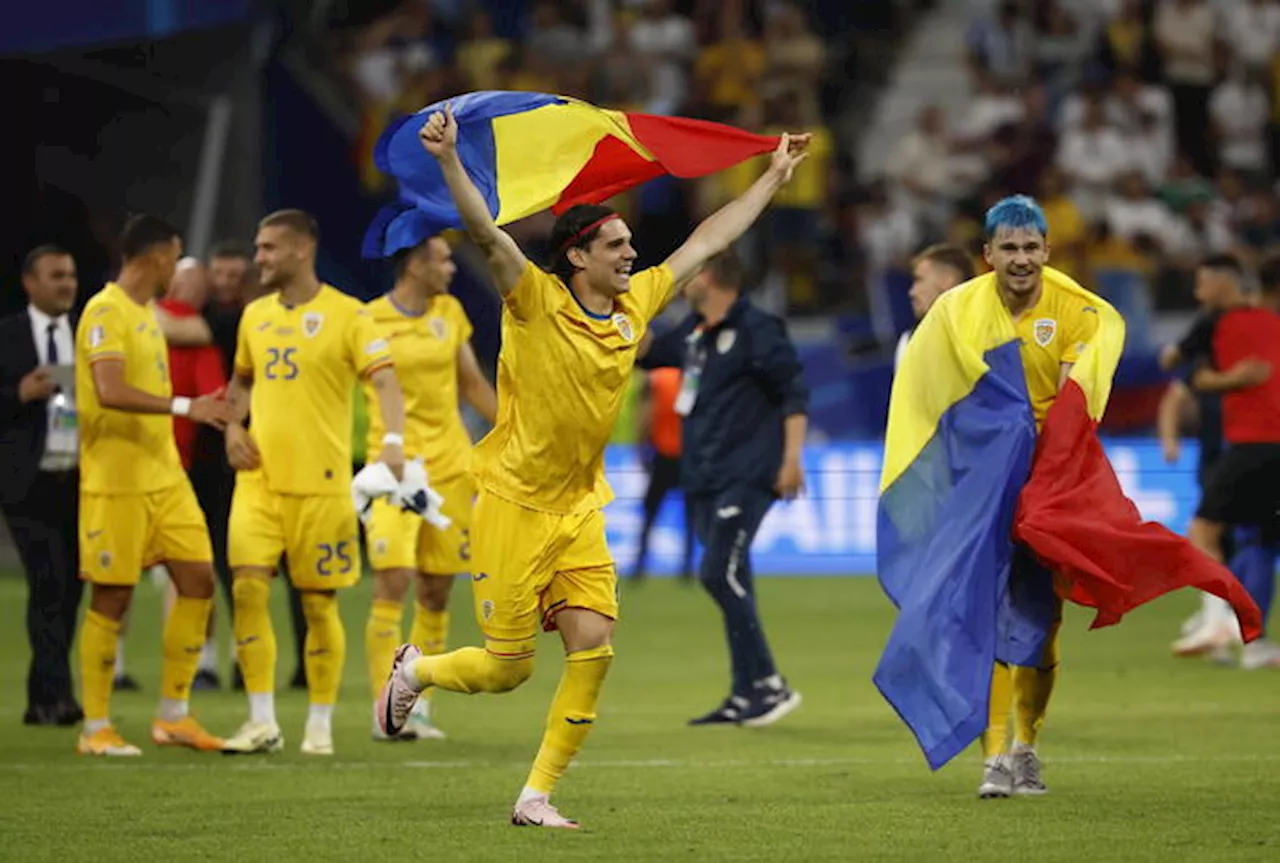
<point x="62" y="441"/>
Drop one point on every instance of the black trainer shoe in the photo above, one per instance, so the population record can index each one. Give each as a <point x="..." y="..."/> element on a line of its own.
<point x="728" y="713"/>
<point x="768" y="706"/>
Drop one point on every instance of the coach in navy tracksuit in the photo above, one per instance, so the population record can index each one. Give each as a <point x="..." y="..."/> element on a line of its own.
<point x="743" y="405"/>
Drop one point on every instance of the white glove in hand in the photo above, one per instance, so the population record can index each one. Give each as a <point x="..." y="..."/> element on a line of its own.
<point x="372" y="482"/>
<point x="415" y="495"/>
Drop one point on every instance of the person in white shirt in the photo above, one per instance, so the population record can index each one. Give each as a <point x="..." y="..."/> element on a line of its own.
<point x="1092" y="157"/>
<point x="1185" y="34"/>
<point x="1240" y="110"/>
<point x="39" y="483"/>
<point x="934" y="271"/>
<point x="1251" y="31"/>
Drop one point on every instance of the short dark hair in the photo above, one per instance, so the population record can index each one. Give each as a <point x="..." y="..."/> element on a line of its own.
<point x="569" y="232"/>
<point x="144" y="232"/>
<point x="1224" y="263"/>
<point x="298" y="221"/>
<point x="726" y="269"/>
<point x="400" y="260"/>
<point x="1269" y="274"/>
<point x="231" y="249"/>
<point x="45" y="250"/>
<point x="948" y="255"/>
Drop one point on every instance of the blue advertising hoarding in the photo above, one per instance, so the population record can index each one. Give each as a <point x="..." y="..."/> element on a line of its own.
<point x="832" y="529"/>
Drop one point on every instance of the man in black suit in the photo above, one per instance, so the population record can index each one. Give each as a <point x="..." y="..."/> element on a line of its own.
<point x="39" y="478"/>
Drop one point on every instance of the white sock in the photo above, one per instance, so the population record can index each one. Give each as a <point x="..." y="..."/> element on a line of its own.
<point x="119" y="672"/>
<point x="320" y="716"/>
<point x="527" y="794"/>
<point x="209" y="656"/>
<point x="94" y="725"/>
<point x="171" y="709"/>
<point x="262" y="707"/>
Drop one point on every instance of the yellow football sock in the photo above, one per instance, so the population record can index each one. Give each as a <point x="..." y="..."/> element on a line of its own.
<point x="472" y="669"/>
<point x="98" y="637"/>
<point x="573" y="712"/>
<point x="1032" y="688"/>
<point x="995" y="740"/>
<point x="326" y="646"/>
<point x="430" y="629"/>
<point x="255" y="636"/>
<point x="381" y="638"/>
<point x="183" y="641"/>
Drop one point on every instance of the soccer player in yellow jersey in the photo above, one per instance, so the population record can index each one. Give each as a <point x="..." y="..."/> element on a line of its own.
<point x="539" y="556"/>
<point x="299" y="353"/>
<point x="430" y="338"/>
<point x="136" y="503"/>
<point x="1054" y="327"/>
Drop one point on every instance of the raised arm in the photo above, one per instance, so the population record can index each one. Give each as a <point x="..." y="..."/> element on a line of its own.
<point x="439" y="137"/>
<point x="719" y="230"/>
<point x="478" y="392"/>
<point x="186" y="332"/>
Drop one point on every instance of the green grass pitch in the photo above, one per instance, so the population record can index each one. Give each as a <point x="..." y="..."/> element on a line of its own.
<point x="1148" y="757"/>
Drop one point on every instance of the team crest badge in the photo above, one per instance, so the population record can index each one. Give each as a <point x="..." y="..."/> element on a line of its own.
<point x="104" y="560"/>
<point x="438" y="327"/>
<point x="725" y="341"/>
<point x="380" y="547"/>
<point x="623" y="323"/>
<point x="1045" y="330"/>
<point x="486" y="608"/>
<point x="311" y="323"/>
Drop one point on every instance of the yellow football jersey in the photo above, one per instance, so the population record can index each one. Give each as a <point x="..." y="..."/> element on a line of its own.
<point x="1054" y="331"/>
<point x="562" y="375"/>
<point x="304" y="361"/>
<point x="425" y="350"/>
<point x="124" y="453"/>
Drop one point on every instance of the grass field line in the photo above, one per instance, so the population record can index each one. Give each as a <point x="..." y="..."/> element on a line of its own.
<point x="241" y="764"/>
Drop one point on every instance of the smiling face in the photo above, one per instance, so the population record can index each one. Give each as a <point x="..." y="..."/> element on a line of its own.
<point x="281" y="255"/>
<point x="606" y="261"/>
<point x="1018" y="257"/>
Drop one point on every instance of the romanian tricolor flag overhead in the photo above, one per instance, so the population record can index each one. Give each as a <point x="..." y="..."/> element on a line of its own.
<point x="527" y="152"/>
<point x="976" y="511"/>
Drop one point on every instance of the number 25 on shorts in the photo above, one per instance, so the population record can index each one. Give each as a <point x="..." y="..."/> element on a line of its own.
<point x="280" y="364"/>
<point x="334" y="559"/>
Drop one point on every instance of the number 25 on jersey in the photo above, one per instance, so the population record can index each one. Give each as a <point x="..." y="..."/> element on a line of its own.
<point x="280" y="364"/>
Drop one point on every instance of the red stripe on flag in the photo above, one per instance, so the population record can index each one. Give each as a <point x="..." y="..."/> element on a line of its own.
<point x="680" y="147"/>
<point x="1073" y="514"/>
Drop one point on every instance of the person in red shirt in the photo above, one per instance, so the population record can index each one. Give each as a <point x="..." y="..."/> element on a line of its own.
<point x="194" y="370"/>
<point x="660" y="429"/>
<point x="1242" y="352"/>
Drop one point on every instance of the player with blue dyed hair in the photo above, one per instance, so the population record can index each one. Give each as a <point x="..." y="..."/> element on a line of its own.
<point x="1054" y="324"/>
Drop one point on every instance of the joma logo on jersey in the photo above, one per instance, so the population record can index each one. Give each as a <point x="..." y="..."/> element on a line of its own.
<point x="1045" y="330"/>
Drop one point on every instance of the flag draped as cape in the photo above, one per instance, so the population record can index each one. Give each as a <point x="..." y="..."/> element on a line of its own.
<point x="527" y="152"/>
<point x="971" y="494"/>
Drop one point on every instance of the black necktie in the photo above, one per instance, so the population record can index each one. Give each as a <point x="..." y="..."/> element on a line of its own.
<point x="51" y="351"/>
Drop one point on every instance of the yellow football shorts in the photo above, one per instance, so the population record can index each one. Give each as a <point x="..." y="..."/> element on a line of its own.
<point x="317" y="533"/>
<point x="403" y="540"/>
<point x="123" y="534"/>
<point x="528" y="565"/>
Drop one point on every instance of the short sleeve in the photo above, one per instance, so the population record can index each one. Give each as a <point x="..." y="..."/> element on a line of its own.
<point x="653" y="290"/>
<point x="531" y="296"/>
<point x="463" y="323"/>
<point x="1086" y="327"/>
<point x="243" y="365"/>
<point x="103" y="334"/>
<point x="367" y="350"/>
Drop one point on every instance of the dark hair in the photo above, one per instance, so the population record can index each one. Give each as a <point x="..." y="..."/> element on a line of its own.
<point x="568" y="233"/>
<point x="726" y="269"/>
<point x="947" y="255"/>
<point x="231" y="249"/>
<point x="1224" y="263"/>
<point x="143" y="233"/>
<point x="1269" y="274"/>
<point x="33" y="258"/>
<point x="298" y="221"/>
<point x="400" y="259"/>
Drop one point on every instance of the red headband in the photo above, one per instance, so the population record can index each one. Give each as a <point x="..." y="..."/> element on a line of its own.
<point x="576" y="238"/>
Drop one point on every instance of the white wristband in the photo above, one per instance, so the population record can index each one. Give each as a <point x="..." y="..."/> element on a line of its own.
<point x="181" y="406"/>
<point x="393" y="439"/>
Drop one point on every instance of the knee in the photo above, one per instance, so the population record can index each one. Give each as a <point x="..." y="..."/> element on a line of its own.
<point x="391" y="585"/>
<point x="318" y="606"/>
<point x="433" y="592"/>
<point x="249" y="592"/>
<point x="192" y="580"/>
<point x="507" y="674"/>
<point x="111" y="601"/>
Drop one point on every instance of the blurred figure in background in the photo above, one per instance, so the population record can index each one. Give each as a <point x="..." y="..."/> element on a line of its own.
<point x="935" y="271"/>
<point x="659" y="431"/>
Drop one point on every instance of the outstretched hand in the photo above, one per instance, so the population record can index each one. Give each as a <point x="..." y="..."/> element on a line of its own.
<point x="439" y="135"/>
<point x="789" y="153"/>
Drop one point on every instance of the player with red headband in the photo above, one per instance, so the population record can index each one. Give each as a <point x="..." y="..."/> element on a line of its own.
<point x="539" y="556"/>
